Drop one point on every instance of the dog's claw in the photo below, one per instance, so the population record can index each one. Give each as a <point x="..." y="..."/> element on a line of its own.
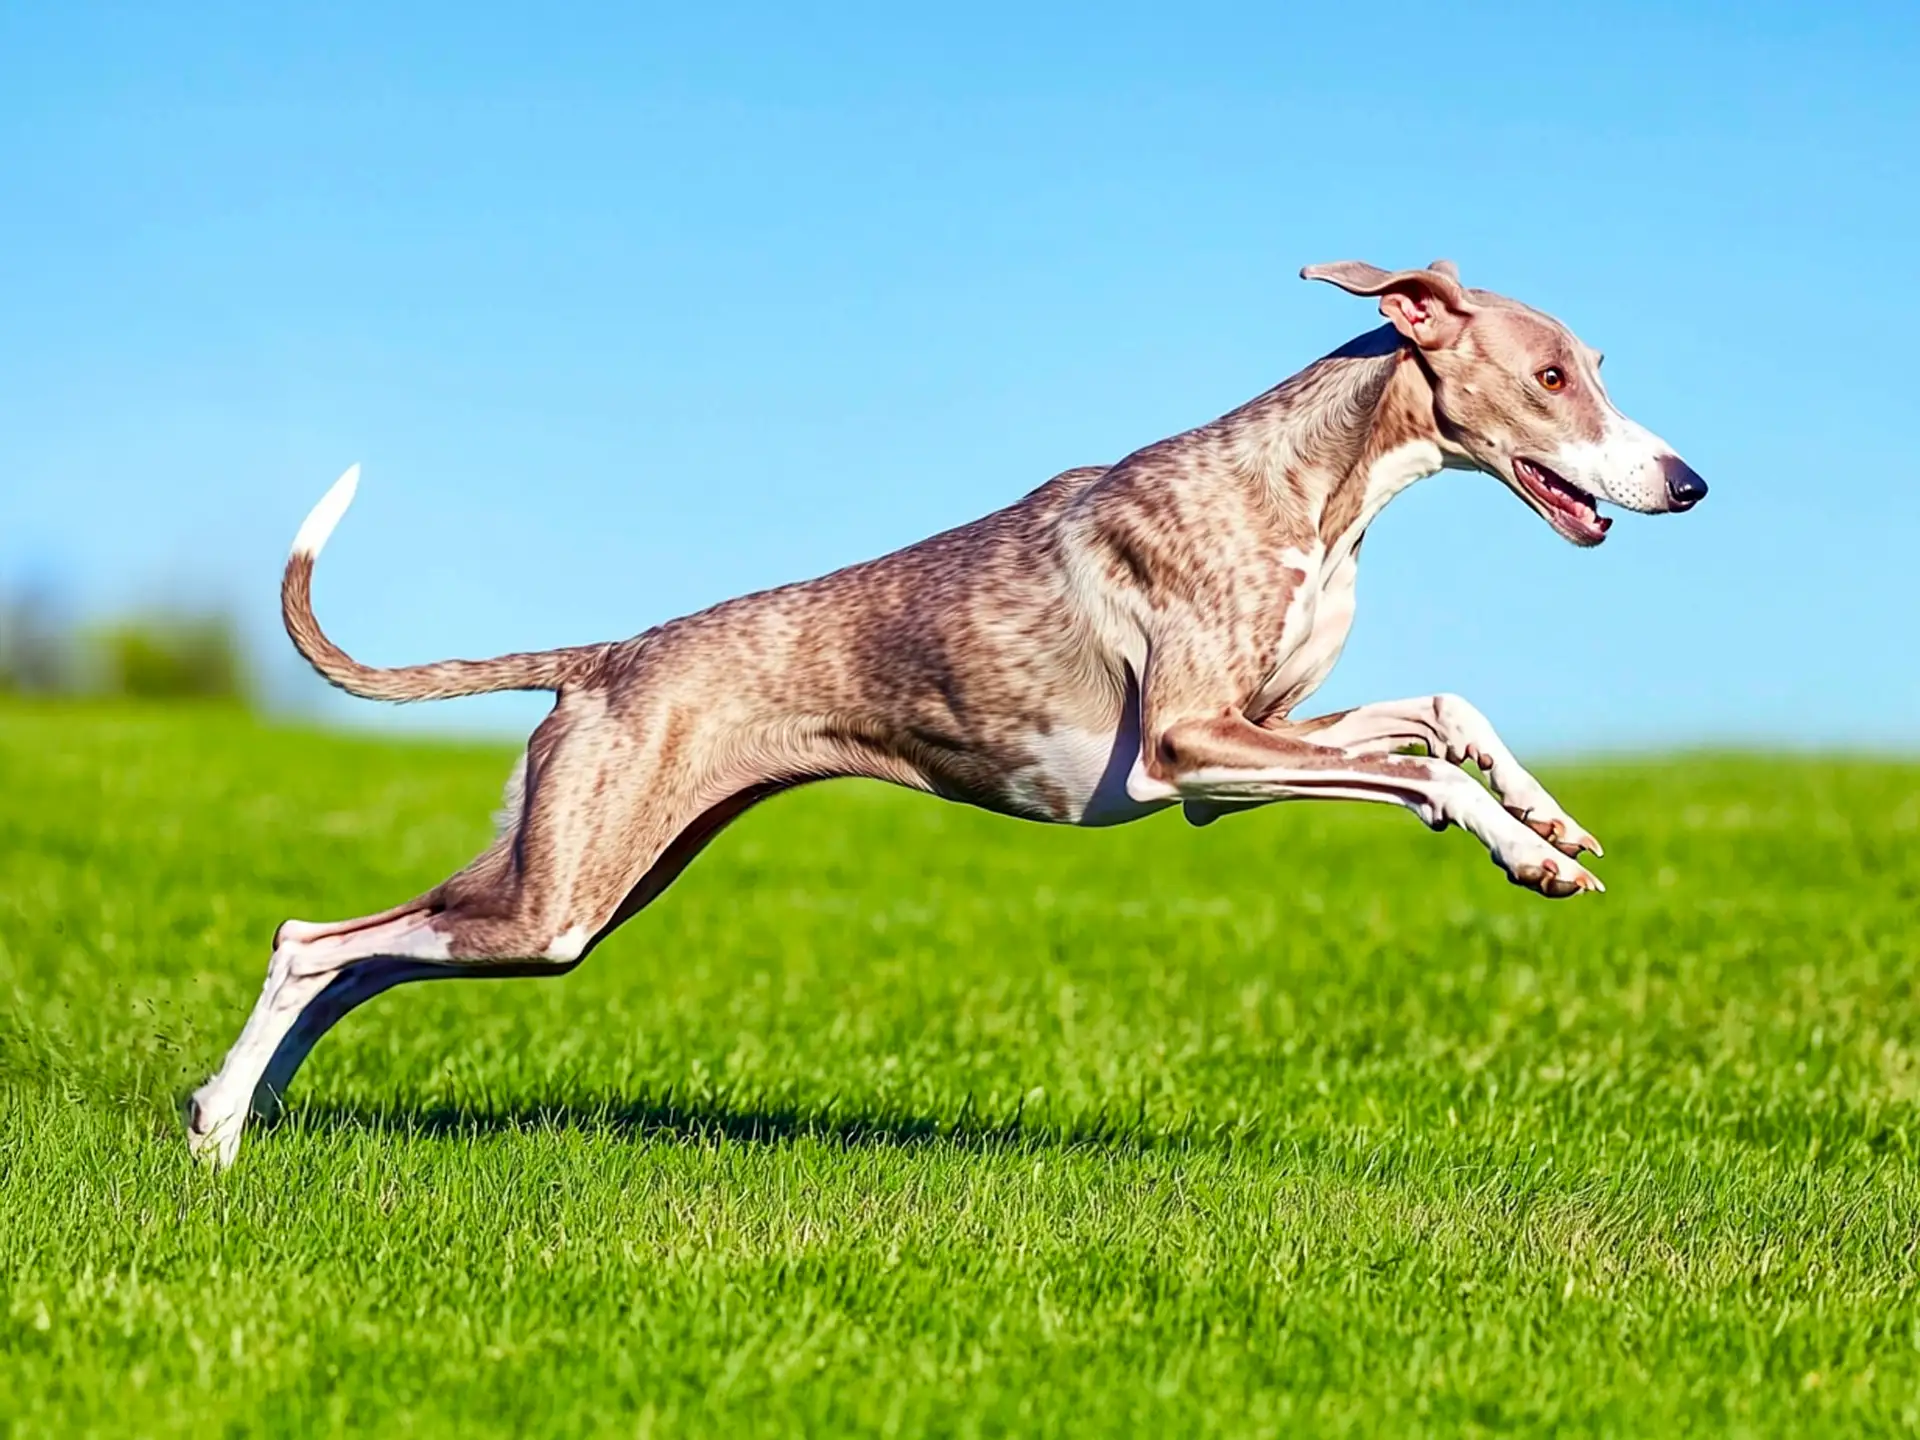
<point x="1563" y="834"/>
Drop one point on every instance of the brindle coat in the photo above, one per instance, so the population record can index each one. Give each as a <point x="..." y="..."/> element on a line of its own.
<point x="1121" y="639"/>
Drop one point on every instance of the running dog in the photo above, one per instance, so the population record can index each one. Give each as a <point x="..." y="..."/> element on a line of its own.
<point x="1125" y="638"/>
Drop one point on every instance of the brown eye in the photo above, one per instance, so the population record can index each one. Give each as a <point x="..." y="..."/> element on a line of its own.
<point x="1552" y="378"/>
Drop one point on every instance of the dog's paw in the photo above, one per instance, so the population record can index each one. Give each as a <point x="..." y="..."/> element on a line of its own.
<point x="1549" y="871"/>
<point x="213" y="1134"/>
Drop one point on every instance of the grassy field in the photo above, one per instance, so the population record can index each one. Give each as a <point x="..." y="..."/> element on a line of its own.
<point x="897" y="1118"/>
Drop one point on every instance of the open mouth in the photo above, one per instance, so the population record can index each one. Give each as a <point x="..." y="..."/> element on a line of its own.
<point x="1568" y="508"/>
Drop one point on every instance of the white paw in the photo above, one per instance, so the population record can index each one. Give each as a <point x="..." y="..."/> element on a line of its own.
<point x="214" y="1128"/>
<point x="1538" y="865"/>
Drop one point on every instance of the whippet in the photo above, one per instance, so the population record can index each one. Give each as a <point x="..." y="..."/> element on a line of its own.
<point x="1125" y="638"/>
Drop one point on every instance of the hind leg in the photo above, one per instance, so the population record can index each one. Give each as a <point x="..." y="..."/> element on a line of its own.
<point x="362" y="982"/>
<point x="599" y="827"/>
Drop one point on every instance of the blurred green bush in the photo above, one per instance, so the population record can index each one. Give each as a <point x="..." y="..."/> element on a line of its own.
<point x="156" y="654"/>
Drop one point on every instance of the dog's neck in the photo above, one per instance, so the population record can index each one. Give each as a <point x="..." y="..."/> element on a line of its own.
<point x="1340" y="439"/>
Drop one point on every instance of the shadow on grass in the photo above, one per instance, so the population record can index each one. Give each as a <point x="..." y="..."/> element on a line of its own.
<point x="759" y="1121"/>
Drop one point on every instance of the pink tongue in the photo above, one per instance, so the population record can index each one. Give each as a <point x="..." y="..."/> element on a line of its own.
<point x="1578" y="506"/>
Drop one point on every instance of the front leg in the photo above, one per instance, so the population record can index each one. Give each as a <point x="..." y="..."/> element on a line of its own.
<point x="1227" y="760"/>
<point x="1455" y="731"/>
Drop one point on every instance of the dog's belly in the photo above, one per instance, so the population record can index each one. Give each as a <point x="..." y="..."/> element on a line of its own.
<point x="1073" y="775"/>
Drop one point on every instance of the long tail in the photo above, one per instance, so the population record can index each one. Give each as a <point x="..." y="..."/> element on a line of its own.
<point x="438" y="680"/>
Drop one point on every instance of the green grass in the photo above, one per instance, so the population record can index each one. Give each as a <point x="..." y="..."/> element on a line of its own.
<point x="896" y="1118"/>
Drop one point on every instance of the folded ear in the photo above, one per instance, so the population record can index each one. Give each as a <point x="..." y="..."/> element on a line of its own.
<point x="1427" y="306"/>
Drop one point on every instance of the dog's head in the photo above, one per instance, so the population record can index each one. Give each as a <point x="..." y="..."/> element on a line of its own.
<point x="1518" y="395"/>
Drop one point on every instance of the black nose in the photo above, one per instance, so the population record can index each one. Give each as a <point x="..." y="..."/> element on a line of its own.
<point x="1685" y="488"/>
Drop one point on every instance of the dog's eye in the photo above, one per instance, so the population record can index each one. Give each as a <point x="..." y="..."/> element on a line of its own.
<point x="1552" y="378"/>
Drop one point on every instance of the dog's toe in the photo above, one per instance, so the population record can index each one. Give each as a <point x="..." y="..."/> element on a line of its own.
<point x="1561" y="832"/>
<point x="1556" y="878"/>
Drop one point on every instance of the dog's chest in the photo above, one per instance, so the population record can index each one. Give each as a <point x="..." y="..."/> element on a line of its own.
<point x="1078" y="774"/>
<point x="1313" y="629"/>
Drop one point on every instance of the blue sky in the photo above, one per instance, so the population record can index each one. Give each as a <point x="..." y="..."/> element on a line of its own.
<point x="628" y="309"/>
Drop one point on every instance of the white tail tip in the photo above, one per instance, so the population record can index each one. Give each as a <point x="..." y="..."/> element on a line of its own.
<point x="324" y="516"/>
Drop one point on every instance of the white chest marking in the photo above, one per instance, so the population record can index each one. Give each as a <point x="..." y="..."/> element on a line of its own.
<point x="1317" y="624"/>
<point x="1320" y="614"/>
